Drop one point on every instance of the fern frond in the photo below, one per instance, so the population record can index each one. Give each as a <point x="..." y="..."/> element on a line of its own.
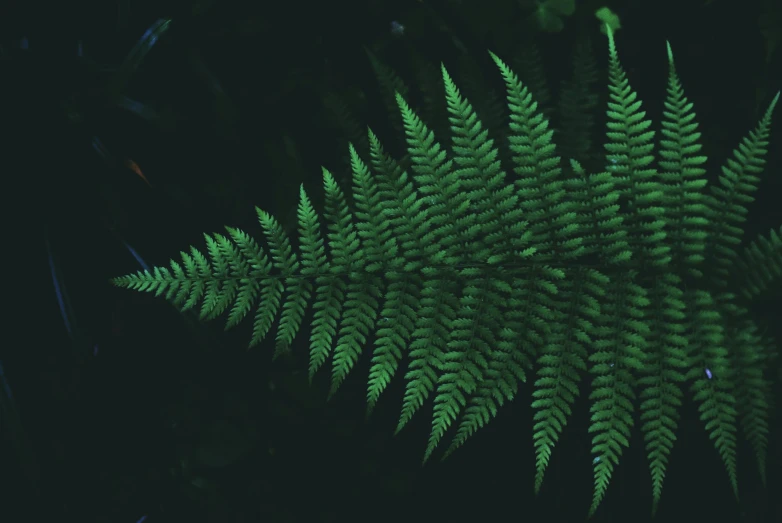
<point x="397" y="318"/>
<point x="663" y="376"/>
<point x="616" y="357"/>
<point x="760" y="266"/>
<point x="629" y="158"/>
<point x="560" y="364"/>
<point x="499" y="366"/>
<point x="577" y="102"/>
<point x="712" y="379"/>
<point x="752" y="390"/>
<point x="329" y="293"/>
<point x="297" y="289"/>
<point x="555" y="229"/>
<point x="361" y="304"/>
<point x="728" y="203"/>
<point x="475" y="282"/>
<point x="686" y="212"/>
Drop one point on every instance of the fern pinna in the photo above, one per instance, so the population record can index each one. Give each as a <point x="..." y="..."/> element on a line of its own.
<point x="478" y="283"/>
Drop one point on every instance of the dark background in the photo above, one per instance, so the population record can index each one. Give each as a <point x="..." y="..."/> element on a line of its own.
<point x="238" y="90"/>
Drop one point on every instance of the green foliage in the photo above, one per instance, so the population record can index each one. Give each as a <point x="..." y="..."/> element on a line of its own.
<point x="548" y="14"/>
<point x="577" y="104"/>
<point x="476" y="282"/>
<point x="609" y="19"/>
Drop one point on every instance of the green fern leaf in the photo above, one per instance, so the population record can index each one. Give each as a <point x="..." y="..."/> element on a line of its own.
<point x="760" y="266"/>
<point x="475" y="282"/>
<point x="751" y="391"/>
<point x="576" y="106"/>
<point x="709" y="358"/>
<point x="682" y="177"/>
<point x="617" y="356"/>
<point x="728" y="203"/>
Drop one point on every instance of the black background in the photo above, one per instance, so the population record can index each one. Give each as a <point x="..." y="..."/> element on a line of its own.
<point x="100" y="438"/>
